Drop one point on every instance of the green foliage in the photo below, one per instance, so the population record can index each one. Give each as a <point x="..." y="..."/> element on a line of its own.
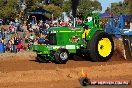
<point x="66" y="6"/>
<point x="85" y="6"/>
<point x="57" y="2"/>
<point x="31" y="5"/>
<point x="11" y="8"/>
<point x="56" y="10"/>
<point x="128" y="6"/>
<point x="120" y="8"/>
<point x="8" y="9"/>
<point x="88" y="6"/>
<point x="1" y="3"/>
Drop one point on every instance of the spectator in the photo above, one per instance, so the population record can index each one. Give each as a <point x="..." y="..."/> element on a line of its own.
<point x="47" y="26"/>
<point x="2" y="33"/>
<point x="40" y="23"/>
<point x="8" y="45"/>
<point x="26" y="39"/>
<point x="31" y="37"/>
<point x="19" y="39"/>
<point x="1" y="22"/>
<point x="21" y="28"/>
<point x="15" y="45"/>
<point x="30" y="29"/>
<point x="12" y="43"/>
<point x="2" y="45"/>
<point x="12" y="28"/>
<point x="17" y="25"/>
<point x="22" y="44"/>
<point x="11" y="23"/>
<point x="37" y="30"/>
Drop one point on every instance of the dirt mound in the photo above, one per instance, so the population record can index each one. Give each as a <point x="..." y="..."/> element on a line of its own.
<point x="117" y="56"/>
<point x="118" y="50"/>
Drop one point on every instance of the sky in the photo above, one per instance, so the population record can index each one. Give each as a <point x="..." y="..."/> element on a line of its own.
<point x="106" y="3"/>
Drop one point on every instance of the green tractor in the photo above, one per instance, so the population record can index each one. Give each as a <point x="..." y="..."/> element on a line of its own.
<point x="86" y="40"/>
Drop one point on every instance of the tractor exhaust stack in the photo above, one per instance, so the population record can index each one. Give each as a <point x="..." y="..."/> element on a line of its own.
<point x="74" y="22"/>
<point x="74" y="11"/>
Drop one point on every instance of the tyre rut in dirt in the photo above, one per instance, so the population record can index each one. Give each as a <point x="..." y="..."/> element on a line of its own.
<point x="101" y="47"/>
<point x="61" y="56"/>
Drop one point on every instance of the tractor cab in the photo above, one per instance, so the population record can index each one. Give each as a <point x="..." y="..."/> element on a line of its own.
<point x="92" y="21"/>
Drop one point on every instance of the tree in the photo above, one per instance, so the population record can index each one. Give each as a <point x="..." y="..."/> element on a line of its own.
<point x="56" y="10"/>
<point x="120" y="8"/>
<point x="66" y="7"/>
<point x="128" y="6"/>
<point x="57" y="2"/>
<point x="31" y="5"/>
<point x="8" y="8"/>
<point x="85" y="6"/>
<point x="116" y="8"/>
<point x="88" y="6"/>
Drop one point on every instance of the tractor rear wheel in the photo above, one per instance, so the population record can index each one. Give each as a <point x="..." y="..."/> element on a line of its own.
<point x="61" y="56"/>
<point x="101" y="47"/>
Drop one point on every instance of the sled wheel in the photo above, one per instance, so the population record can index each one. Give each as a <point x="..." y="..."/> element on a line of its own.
<point x="61" y="56"/>
<point x="85" y="81"/>
<point x="101" y="47"/>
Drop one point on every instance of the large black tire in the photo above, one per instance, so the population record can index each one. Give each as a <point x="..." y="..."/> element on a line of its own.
<point x="61" y="56"/>
<point x="93" y="47"/>
<point x="71" y="56"/>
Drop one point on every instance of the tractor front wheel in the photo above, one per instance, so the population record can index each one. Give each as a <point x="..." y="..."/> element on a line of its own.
<point x="101" y="47"/>
<point x="61" y="56"/>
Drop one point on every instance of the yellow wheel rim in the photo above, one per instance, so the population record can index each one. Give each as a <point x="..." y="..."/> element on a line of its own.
<point x="104" y="47"/>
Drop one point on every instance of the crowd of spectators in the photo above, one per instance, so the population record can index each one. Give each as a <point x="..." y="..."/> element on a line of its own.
<point x="16" y="43"/>
<point x="18" y="36"/>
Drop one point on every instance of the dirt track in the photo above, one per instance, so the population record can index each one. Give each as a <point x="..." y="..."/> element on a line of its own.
<point x="19" y="71"/>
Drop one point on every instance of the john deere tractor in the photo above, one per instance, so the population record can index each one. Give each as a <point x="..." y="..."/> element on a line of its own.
<point x="86" y="40"/>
